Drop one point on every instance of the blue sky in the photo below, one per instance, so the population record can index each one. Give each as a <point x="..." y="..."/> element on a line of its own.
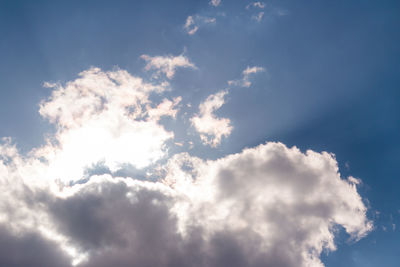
<point x="329" y="82"/>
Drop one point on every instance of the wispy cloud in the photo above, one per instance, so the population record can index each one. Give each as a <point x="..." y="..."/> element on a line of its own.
<point x="210" y="127"/>
<point x="194" y="22"/>
<point x="260" y="5"/>
<point x="245" y="80"/>
<point x="215" y="2"/>
<point x="167" y="64"/>
<point x="190" y="26"/>
<point x="258" y="17"/>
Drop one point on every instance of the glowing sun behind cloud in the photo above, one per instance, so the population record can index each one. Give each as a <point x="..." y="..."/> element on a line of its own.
<point x="268" y="205"/>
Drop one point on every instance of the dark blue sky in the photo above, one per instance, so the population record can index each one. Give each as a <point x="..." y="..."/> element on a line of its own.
<point x="332" y="81"/>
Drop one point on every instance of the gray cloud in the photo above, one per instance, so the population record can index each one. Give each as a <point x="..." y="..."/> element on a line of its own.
<point x="29" y="249"/>
<point x="266" y="206"/>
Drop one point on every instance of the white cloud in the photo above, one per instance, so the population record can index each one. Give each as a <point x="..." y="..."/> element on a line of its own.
<point x="275" y="204"/>
<point x="190" y="26"/>
<point x="194" y="22"/>
<point x="215" y="2"/>
<point x="245" y="81"/>
<point x="258" y="17"/>
<point x="251" y="70"/>
<point x="260" y="5"/>
<point x="210" y="127"/>
<point x="104" y="117"/>
<point x="268" y="205"/>
<point x="167" y="64"/>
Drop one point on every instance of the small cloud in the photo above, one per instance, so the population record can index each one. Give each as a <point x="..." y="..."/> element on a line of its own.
<point x="194" y="22"/>
<point x="179" y="144"/>
<point x="210" y="20"/>
<point x="215" y="3"/>
<point x="272" y="11"/>
<point x="245" y="81"/>
<point x="260" y="5"/>
<point x="165" y="108"/>
<point x="210" y="127"/>
<point x="191" y="145"/>
<point x="250" y="70"/>
<point x="50" y="85"/>
<point x="167" y="64"/>
<point x="258" y="17"/>
<point x="354" y="181"/>
<point x="190" y="26"/>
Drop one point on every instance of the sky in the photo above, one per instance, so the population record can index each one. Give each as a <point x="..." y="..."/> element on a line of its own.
<point x="199" y="133"/>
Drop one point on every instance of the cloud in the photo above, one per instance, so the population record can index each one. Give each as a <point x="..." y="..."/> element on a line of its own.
<point x="190" y="26"/>
<point x="167" y="64"/>
<point x="104" y="117"/>
<point x="258" y="17"/>
<point x="194" y="22"/>
<point x="245" y="81"/>
<point x="260" y="5"/>
<point x="271" y="12"/>
<point x="268" y="205"/>
<point x="210" y="127"/>
<point x="215" y="2"/>
<point x="29" y="249"/>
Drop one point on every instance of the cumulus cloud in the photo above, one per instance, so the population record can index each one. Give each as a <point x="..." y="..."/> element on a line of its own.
<point x="210" y="127"/>
<point x="194" y="22"/>
<point x="104" y="117"/>
<point x="167" y="64"/>
<point x="245" y="80"/>
<point x="268" y="205"/>
<point x="265" y="206"/>
<point x="215" y="2"/>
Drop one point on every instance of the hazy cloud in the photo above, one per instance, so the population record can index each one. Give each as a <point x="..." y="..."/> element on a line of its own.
<point x="258" y="17"/>
<point x="215" y="2"/>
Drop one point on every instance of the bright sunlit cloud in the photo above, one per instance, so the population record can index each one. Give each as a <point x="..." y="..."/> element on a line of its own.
<point x="106" y="117"/>
<point x="139" y="169"/>
<point x="210" y="127"/>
